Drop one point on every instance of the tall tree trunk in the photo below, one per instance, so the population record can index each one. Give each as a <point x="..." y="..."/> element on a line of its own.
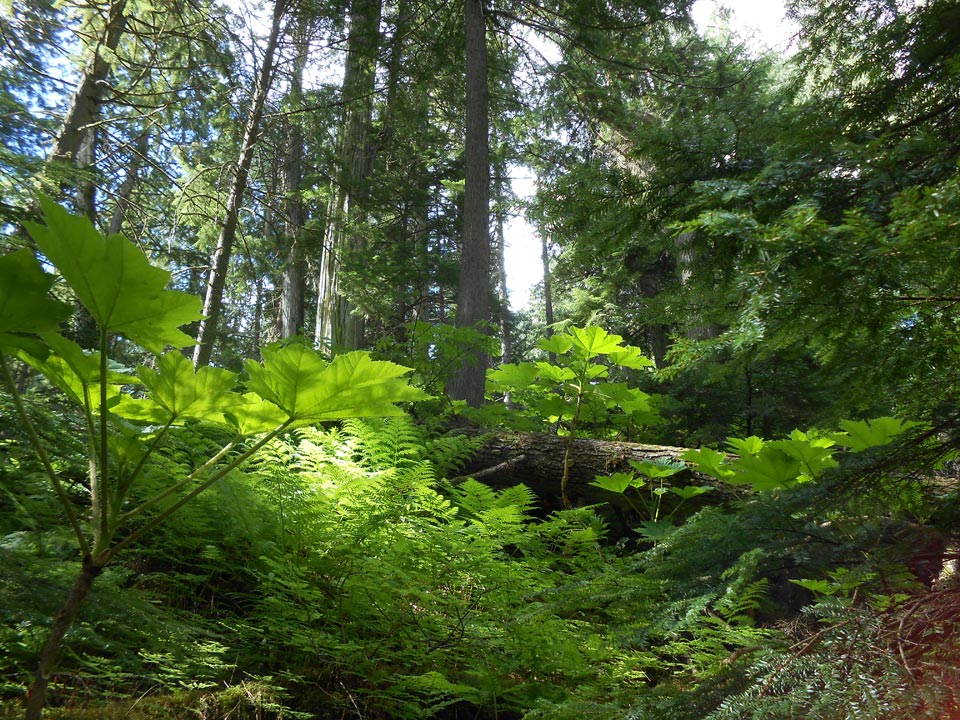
<point x="338" y="326"/>
<point x="506" y="319"/>
<point x="292" y="278"/>
<point x="75" y="143"/>
<point x="473" y="296"/>
<point x="84" y="111"/>
<point x="220" y="260"/>
<point x="686" y="256"/>
<point x="125" y="191"/>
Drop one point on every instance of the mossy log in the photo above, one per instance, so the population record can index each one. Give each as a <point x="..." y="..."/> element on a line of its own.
<point x="536" y="460"/>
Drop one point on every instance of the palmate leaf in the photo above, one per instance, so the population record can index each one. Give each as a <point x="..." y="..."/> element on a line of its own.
<point x="254" y="416"/>
<point x="690" y="491"/>
<point x="593" y="340"/>
<point x="658" y="468"/>
<point x="709" y="462"/>
<point x="617" y="482"/>
<point x="864" y="434"/>
<point x="517" y="376"/>
<point x="113" y="279"/>
<point x="557" y="344"/>
<point x="814" y="452"/>
<point x="178" y="393"/>
<point x="76" y="371"/>
<point x="25" y="306"/>
<point x="297" y="380"/>
<point x="767" y="470"/>
<point x="552" y="374"/>
<point x="746" y="446"/>
<point x="630" y="357"/>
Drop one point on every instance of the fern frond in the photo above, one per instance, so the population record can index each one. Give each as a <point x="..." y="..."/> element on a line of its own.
<point x="519" y="496"/>
<point x="450" y="452"/>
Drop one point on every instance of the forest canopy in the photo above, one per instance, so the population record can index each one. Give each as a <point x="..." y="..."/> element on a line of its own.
<point x="274" y="443"/>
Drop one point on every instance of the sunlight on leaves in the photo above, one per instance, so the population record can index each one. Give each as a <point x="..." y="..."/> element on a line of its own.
<point x="115" y="281"/>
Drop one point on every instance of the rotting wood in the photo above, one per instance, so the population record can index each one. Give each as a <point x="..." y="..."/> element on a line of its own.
<point x="536" y="460"/>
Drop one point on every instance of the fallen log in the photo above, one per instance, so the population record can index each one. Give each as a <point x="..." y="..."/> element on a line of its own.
<point x="536" y="460"/>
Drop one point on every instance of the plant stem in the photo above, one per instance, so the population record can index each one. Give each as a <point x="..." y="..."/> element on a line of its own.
<point x="162" y="517"/>
<point x="126" y="517"/>
<point x="123" y="486"/>
<point x="102" y="538"/>
<point x="34" y="436"/>
<point x="36" y="698"/>
<point x="567" y="460"/>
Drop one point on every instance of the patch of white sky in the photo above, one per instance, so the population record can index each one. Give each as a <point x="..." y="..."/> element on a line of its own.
<point x="762" y="24"/>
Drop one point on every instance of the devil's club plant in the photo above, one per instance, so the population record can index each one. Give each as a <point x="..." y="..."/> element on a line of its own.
<point x="128" y="297"/>
<point x="577" y="390"/>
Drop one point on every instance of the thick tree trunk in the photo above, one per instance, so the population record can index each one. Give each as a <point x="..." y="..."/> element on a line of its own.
<point x="84" y="111"/>
<point x="292" y="279"/>
<point x="506" y="318"/>
<point x="686" y="258"/>
<point x="338" y="326"/>
<point x="473" y="296"/>
<point x="36" y="698"/>
<point x="125" y="192"/>
<point x="217" y="277"/>
<point x="536" y="460"/>
<point x="75" y="143"/>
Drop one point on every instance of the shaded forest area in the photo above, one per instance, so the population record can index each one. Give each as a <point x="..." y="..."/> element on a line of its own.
<point x="273" y="443"/>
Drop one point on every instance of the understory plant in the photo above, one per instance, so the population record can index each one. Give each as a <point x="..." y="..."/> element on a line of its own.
<point x="582" y="388"/>
<point x="128" y="417"/>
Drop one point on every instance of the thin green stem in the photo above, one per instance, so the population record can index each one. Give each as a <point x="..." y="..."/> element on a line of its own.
<point x="34" y="436"/>
<point x="567" y="461"/>
<point x="93" y="452"/>
<point x="124" y="486"/>
<point x="103" y="521"/>
<point x="229" y="467"/>
<point x="126" y="517"/>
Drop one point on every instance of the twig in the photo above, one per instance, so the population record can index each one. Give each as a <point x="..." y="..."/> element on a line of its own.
<point x="506" y="466"/>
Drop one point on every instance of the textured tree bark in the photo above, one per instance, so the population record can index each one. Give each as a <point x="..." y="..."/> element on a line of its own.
<point x="84" y="109"/>
<point x="122" y="199"/>
<point x="539" y="465"/>
<point x="506" y="319"/>
<point x="220" y="260"/>
<point x="292" y="279"/>
<point x="338" y="327"/>
<point x="473" y="296"/>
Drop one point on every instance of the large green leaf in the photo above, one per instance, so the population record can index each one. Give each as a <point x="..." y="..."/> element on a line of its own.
<point x="863" y="434"/>
<point x="616" y="482"/>
<point x="557" y="344"/>
<point x="517" y="376"/>
<point x="768" y="470"/>
<point x="113" y="279"/>
<point x="661" y="468"/>
<point x="178" y="393"/>
<point x="709" y="462"/>
<point x="551" y="374"/>
<point x="77" y="372"/>
<point x="593" y="340"/>
<point x="25" y="306"/>
<point x="814" y="452"/>
<point x="630" y="357"/>
<point x="255" y="416"/>
<point x="296" y="379"/>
